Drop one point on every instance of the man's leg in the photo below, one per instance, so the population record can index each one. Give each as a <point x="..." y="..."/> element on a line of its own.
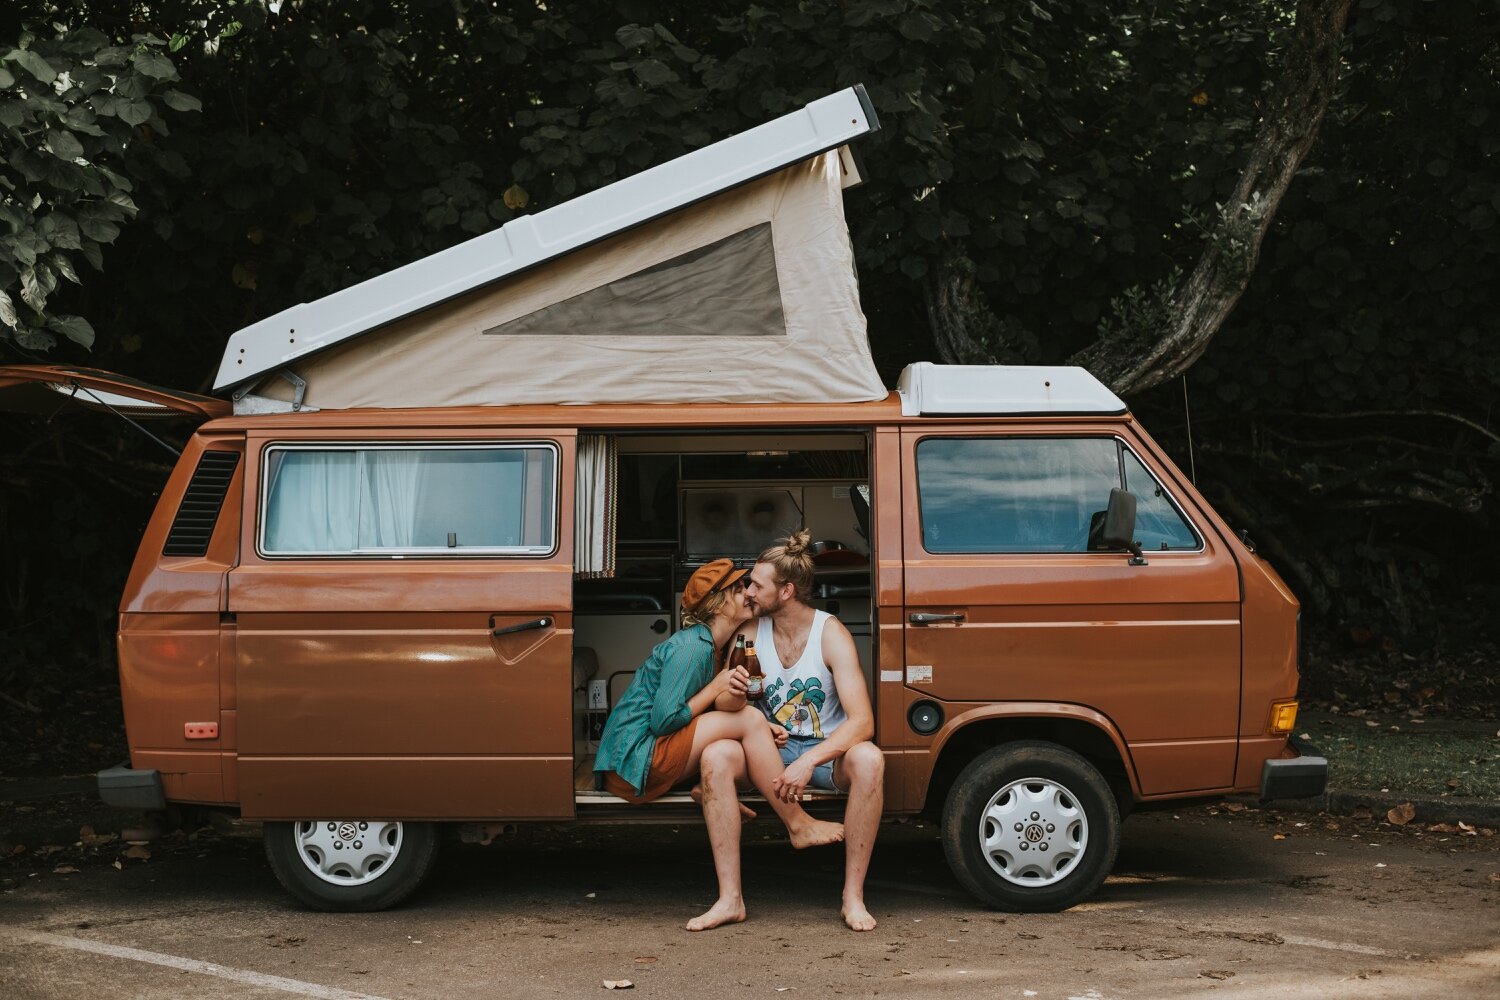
<point x="721" y="765"/>
<point x="862" y="772"/>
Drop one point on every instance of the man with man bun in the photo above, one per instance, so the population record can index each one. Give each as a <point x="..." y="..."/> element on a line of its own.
<point x="818" y="707"/>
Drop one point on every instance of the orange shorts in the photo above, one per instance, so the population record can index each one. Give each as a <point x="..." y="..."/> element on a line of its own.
<point x="669" y="762"/>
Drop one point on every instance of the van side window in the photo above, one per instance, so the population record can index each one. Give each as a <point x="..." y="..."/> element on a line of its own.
<point x="1158" y="525"/>
<point x="1013" y="494"/>
<point x="434" y="500"/>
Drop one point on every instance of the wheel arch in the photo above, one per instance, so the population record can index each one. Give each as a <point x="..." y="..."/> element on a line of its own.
<point x="1084" y="731"/>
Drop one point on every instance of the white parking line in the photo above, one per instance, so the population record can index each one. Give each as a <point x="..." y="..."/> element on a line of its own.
<point x="186" y="964"/>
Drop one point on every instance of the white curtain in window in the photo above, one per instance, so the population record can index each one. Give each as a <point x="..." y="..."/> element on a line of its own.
<point x="596" y="499"/>
<point x="313" y="502"/>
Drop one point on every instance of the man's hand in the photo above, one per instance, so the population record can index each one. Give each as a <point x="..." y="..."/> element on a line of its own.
<point x="779" y="735"/>
<point x="793" y="780"/>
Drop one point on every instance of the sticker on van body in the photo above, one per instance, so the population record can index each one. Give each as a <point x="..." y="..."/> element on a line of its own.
<point x="919" y="674"/>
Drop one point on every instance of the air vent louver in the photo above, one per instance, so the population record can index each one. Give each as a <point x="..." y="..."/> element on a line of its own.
<point x="194" y="524"/>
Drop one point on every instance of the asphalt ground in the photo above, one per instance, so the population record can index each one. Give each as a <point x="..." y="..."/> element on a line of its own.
<point x="1223" y="898"/>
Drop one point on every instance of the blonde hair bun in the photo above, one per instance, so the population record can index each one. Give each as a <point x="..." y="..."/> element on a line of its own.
<point x="797" y="543"/>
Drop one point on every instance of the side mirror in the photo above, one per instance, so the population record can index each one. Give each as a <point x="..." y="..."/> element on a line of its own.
<point x="1118" y="528"/>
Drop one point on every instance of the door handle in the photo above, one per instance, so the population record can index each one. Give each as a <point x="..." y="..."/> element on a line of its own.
<point x="929" y="617"/>
<point x="523" y="627"/>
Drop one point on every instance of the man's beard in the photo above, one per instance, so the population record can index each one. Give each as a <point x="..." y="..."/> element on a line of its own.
<point x="764" y="609"/>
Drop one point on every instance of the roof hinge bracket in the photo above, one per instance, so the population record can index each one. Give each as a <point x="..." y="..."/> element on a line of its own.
<point x="247" y="402"/>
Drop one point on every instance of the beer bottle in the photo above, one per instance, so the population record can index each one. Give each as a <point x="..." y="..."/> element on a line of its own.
<point x="736" y="654"/>
<point x="757" y="683"/>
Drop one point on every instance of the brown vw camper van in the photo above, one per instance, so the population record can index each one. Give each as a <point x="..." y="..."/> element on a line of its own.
<point x="399" y="576"/>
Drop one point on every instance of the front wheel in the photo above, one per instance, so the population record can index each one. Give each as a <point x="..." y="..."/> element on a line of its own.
<point x="351" y="865"/>
<point x="1031" y="827"/>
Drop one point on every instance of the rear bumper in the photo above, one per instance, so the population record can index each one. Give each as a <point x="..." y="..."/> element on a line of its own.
<point x="1295" y="777"/>
<point x="126" y="788"/>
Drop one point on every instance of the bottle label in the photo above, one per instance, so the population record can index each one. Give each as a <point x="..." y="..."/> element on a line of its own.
<point x="755" y="687"/>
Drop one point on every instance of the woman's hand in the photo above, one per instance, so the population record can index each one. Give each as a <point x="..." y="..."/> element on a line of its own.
<point x="779" y="734"/>
<point x="734" y="682"/>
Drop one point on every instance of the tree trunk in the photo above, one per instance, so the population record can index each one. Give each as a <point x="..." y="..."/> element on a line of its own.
<point x="1201" y="304"/>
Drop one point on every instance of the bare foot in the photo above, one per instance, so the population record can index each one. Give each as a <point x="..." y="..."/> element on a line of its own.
<point x="816" y="832"/>
<point x="857" y="917"/>
<point x="725" y="911"/>
<point x="745" y="811"/>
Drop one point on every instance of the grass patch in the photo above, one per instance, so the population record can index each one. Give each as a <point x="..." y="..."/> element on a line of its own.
<point x="1437" y="757"/>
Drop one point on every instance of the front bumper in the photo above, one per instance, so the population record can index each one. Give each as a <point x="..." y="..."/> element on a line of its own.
<point x="1295" y="777"/>
<point x="126" y="788"/>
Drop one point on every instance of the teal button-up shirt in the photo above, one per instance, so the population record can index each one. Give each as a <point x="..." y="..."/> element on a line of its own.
<point x="655" y="704"/>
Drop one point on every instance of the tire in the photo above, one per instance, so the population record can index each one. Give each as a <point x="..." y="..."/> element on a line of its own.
<point x="1031" y="827"/>
<point x="351" y="866"/>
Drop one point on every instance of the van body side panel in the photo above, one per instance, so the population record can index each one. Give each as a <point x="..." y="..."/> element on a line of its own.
<point x="169" y="676"/>
<point x="1269" y="668"/>
<point x="168" y="644"/>
<point x="891" y="730"/>
<point x="175" y="584"/>
<point x="374" y="687"/>
<point x="1155" y="649"/>
<point x="1270" y="665"/>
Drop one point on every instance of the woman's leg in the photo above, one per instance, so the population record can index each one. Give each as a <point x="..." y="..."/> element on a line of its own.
<point x="748" y="728"/>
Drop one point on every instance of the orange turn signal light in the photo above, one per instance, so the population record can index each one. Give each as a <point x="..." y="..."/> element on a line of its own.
<point x="1283" y="718"/>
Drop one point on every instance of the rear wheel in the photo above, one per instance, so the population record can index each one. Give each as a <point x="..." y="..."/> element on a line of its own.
<point x="351" y="865"/>
<point x="1031" y="826"/>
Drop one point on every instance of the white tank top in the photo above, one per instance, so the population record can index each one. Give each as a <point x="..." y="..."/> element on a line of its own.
<point x="802" y="697"/>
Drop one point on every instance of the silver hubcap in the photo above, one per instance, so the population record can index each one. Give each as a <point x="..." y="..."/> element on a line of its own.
<point x="1033" y="831"/>
<point x="347" y="852"/>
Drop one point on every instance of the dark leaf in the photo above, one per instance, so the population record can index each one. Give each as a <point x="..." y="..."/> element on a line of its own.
<point x="178" y="101"/>
<point x="75" y="328"/>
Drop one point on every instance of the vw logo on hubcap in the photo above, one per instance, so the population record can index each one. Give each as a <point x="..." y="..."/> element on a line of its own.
<point x="347" y="831"/>
<point x="1035" y="833"/>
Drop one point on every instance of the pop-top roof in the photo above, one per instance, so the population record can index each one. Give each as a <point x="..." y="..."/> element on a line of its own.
<point x="930" y="390"/>
<point x="274" y="343"/>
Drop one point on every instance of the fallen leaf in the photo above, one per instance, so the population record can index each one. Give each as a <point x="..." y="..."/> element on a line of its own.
<point x="64" y="870"/>
<point x="1363" y="812"/>
<point x="1216" y="974"/>
<point x="1028" y="937"/>
<point x="1451" y="782"/>
<point x="1278" y="836"/>
<point x="591" y="895"/>
<point x="618" y="984"/>
<point x="1235" y="807"/>
<point x="1402" y="814"/>
<point x="645" y="960"/>
<point x="18" y="849"/>
<point x="136" y="851"/>
<point x="119" y="867"/>
<point x="1380" y="864"/>
<point x="85" y="832"/>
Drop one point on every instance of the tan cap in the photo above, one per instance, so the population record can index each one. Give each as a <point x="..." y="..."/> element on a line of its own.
<point x="708" y="579"/>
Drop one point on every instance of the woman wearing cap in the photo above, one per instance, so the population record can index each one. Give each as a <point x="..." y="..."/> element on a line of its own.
<point x="656" y="734"/>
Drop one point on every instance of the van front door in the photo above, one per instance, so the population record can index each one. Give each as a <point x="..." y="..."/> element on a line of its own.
<point x="1006" y="603"/>
<point x="403" y="627"/>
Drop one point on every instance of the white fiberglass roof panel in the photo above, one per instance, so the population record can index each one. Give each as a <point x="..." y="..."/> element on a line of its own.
<point x="277" y="341"/>
<point x="1000" y="390"/>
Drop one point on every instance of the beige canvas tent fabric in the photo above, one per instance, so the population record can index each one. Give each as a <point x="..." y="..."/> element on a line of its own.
<point x="750" y="296"/>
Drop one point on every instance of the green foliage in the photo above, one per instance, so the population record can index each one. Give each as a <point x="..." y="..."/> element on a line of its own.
<point x="1059" y="152"/>
<point x="74" y="105"/>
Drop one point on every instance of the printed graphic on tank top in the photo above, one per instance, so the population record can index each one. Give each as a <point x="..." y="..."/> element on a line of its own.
<point x="801" y="698"/>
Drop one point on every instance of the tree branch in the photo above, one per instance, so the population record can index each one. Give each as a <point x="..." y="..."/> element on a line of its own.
<point x="1200" y="305"/>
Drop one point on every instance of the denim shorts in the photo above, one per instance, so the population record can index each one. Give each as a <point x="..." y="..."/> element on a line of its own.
<point x="822" y="776"/>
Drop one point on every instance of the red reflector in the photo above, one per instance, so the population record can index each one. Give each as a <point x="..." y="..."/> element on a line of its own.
<point x="200" y="730"/>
